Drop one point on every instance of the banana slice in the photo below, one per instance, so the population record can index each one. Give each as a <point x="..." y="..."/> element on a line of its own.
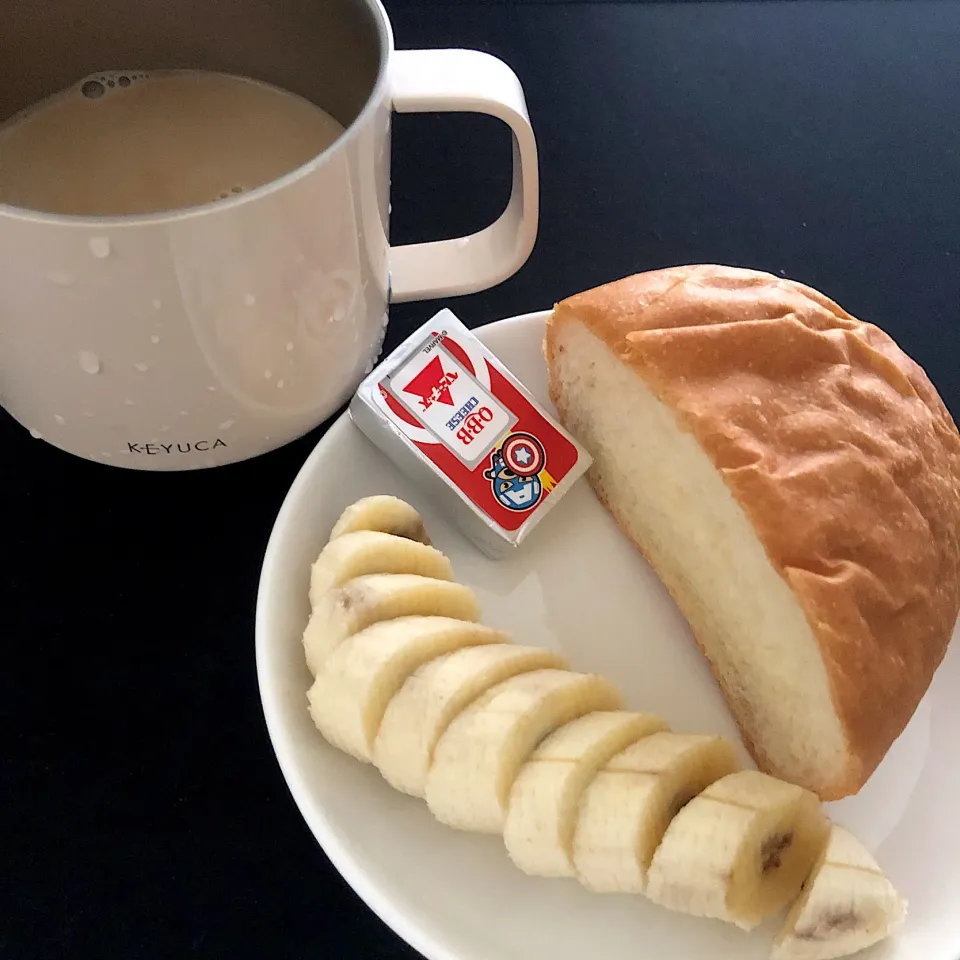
<point x="627" y="807"/>
<point x="346" y="610"/>
<point x="740" y="851"/>
<point x="542" y="814"/>
<point x="847" y="905"/>
<point x="480" y="754"/>
<point x="430" y="698"/>
<point x="385" y="514"/>
<point x="356" y="554"/>
<point x="349" y="696"/>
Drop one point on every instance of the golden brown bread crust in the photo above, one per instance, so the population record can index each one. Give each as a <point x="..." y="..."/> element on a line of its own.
<point x="812" y="415"/>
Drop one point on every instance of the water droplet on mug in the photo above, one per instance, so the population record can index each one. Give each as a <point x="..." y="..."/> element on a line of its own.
<point x="89" y="362"/>
<point x="60" y="421"/>
<point x="463" y="242"/>
<point x="289" y="346"/>
<point x="36" y="434"/>
<point x="60" y="278"/>
<point x="227" y="424"/>
<point x="184" y="413"/>
<point x="267" y="374"/>
<point x="165" y="428"/>
<point x="99" y="247"/>
<point x="129" y="403"/>
<point x="142" y="367"/>
<point x="155" y="339"/>
<point x="212" y="388"/>
<point x="88" y="414"/>
<point x="279" y="384"/>
<point x="339" y="314"/>
<point x="157" y="304"/>
<point x="105" y="455"/>
<point x="93" y="89"/>
<point x="249" y="299"/>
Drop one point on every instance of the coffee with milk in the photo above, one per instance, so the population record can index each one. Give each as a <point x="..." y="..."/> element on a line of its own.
<point x="137" y="143"/>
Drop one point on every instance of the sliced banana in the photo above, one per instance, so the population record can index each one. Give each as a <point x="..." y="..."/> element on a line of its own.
<point x="740" y="851"/>
<point x="363" y="601"/>
<point x="847" y="905"/>
<point x="479" y="756"/>
<point x="357" y="554"/>
<point x="385" y="514"/>
<point x="499" y="737"/>
<point x="628" y="805"/>
<point x="436" y="693"/>
<point x="351" y="693"/>
<point x="542" y="813"/>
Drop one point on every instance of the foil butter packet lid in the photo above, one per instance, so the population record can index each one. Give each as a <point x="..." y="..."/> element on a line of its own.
<point x="446" y="411"/>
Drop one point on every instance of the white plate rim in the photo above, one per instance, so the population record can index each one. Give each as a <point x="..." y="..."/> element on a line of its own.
<point x="336" y="843"/>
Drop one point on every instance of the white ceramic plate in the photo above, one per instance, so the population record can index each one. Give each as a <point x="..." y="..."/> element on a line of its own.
<point x="579" y="587"/>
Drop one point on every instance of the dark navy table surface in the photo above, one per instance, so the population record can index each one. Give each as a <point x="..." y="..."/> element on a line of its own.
<point x="143" y="814"/>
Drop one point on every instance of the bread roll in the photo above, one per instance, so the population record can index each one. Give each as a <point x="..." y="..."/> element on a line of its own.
<point x="794" y="479"/>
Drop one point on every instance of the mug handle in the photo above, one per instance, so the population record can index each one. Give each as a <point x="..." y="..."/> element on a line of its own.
<point x="473" y="82"/>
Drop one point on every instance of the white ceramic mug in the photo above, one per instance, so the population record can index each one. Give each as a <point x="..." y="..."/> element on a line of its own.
<point x="212" y="334"/>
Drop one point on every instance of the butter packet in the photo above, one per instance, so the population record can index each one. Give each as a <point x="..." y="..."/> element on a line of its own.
<point x="451" y="416"/>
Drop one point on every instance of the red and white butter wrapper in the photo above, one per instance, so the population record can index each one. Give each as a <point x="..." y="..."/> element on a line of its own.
<point x="455" y="420"/>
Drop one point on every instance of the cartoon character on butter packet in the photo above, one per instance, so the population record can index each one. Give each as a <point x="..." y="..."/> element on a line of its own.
<point x="515" y="470"/>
